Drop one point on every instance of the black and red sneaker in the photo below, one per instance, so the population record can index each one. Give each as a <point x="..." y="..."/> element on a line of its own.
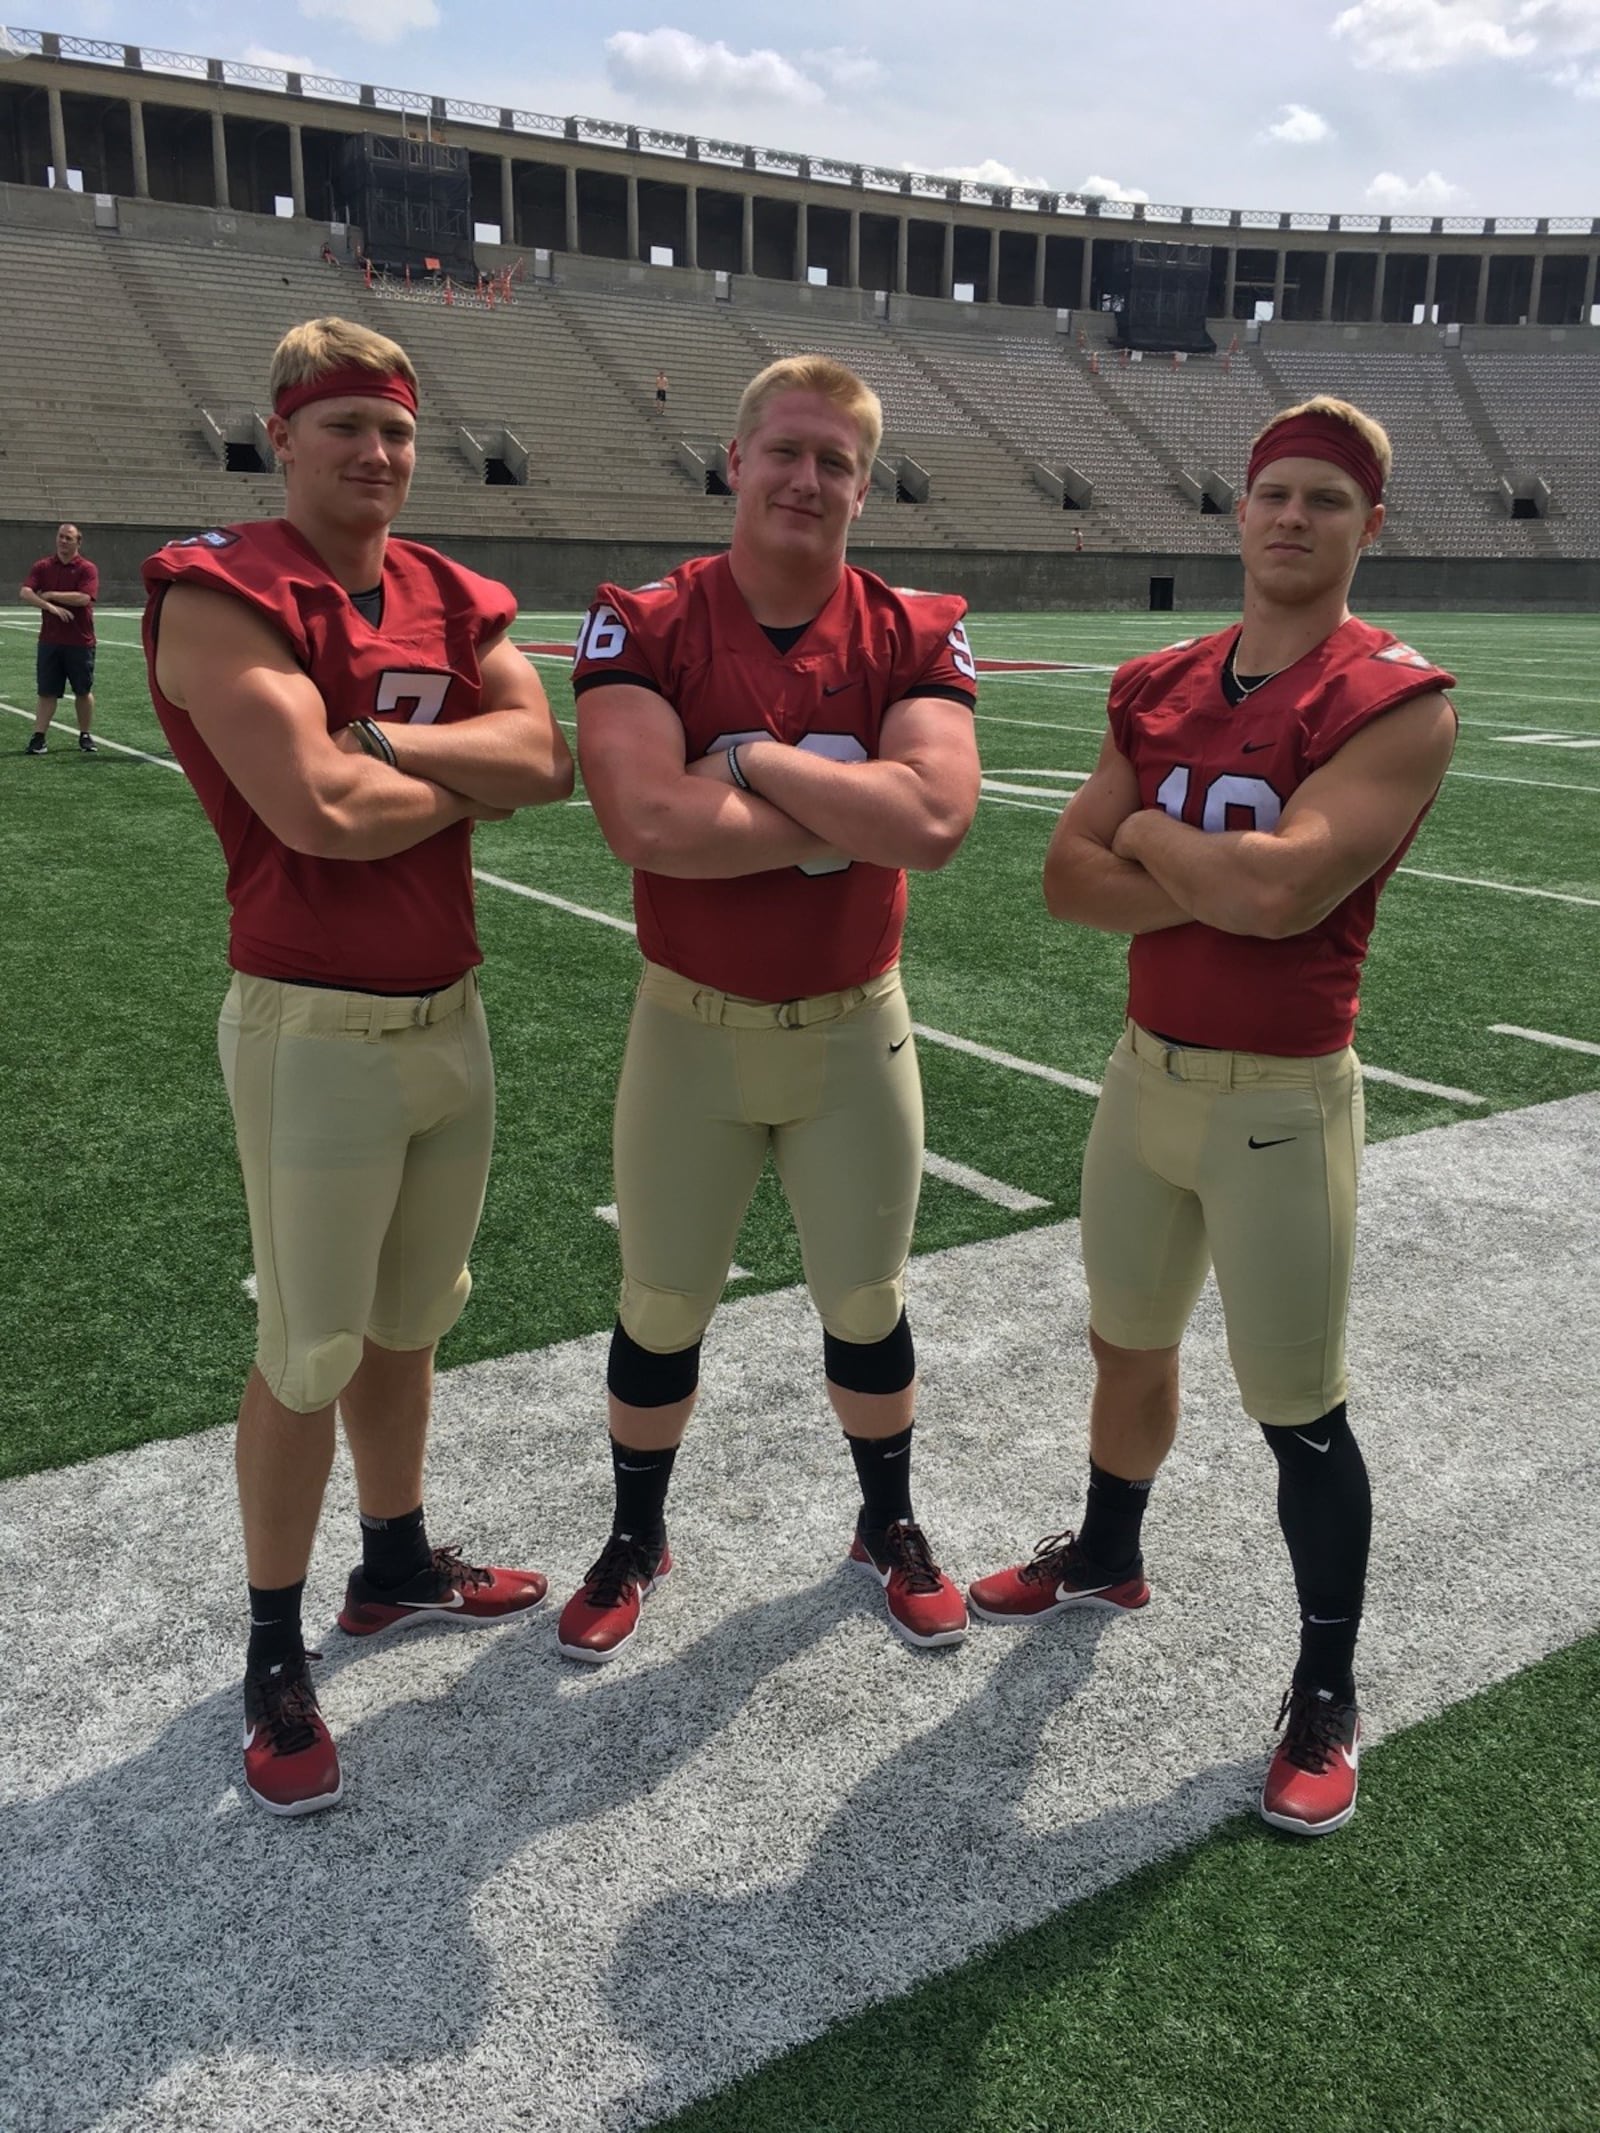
<point x="290" y="1763"/>
<point x="1313" y="1778"/>
<point x="603" y="1614"/>
<point x="1058" y="1575"/>
<point x="448" y="1590"/>
<point x="925" y="1606"/>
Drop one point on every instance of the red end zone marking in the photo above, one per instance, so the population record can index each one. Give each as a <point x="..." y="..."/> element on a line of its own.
<point x="984" y="666"/>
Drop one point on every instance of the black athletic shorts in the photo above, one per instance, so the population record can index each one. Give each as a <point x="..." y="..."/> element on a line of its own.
<point x="64" y="669"/>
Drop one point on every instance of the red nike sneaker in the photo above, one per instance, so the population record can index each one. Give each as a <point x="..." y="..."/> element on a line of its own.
<point x="1312" y="1780"/>
<point x="925" y="1606"/>
<point x="448" y="1590"/>
<point x="603" y="1614"/>
<point x="1059" y="1575"/>
<point x="290" y="1763"/>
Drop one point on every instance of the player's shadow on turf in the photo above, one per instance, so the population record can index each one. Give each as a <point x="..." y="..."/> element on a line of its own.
<point x="153" y="1918"/>
<point x="929" y="1858"/>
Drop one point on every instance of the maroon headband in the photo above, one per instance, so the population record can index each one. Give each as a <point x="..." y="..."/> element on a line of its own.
<point x="353" y="382"/>
<point x="1320" y="437"/>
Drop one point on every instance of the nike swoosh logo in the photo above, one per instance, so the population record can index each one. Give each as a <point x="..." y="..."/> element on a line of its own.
<point x="905" y="1040"/>
<point x="249" y="1738"/>
<point x="839" y="687"/>
<point x="452" y="1605"/>
<point x="1350" y="1756"/>
<point x="1079" y="1592"/>
<point x="1316" y="1447"/>
<point x="1253" y="747"/>
<point x="1287" y="1138"/>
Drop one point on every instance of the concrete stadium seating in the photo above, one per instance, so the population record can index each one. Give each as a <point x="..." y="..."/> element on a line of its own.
<point x="117" y="434"/>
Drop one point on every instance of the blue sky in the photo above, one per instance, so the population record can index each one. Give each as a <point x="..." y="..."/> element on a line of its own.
<point x="1441" y="106"/>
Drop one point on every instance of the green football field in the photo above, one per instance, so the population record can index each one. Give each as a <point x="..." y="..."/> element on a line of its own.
<point x="1434" y="1968"/>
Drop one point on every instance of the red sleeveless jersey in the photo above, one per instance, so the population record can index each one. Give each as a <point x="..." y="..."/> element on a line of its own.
<point x="1220" y="767"/>
<point x="785" y="934"/>
<point x="403" y="924"/>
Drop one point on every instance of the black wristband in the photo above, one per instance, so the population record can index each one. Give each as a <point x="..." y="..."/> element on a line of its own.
<point x="374" y="741"/>
<point x="736" y="770"/>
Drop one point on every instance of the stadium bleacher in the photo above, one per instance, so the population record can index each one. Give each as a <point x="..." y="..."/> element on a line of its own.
<point x="569" y="373"/>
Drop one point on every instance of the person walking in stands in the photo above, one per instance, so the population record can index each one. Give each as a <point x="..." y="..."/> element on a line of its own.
<point x="1254" y="793"/>
<point x="64" y="588"/>
<point x="661" y="392"/>
<point x="770" y="738"/>
<point x="347" y="706"/>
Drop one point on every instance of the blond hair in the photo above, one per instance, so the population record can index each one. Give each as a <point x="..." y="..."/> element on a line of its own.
<point x="309" y="352"/>
<point x="1372" y="434"/>
<point x="815" y="374"/>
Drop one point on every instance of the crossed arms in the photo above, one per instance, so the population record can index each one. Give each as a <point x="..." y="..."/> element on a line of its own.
<point x="1126" y="869"/>
<point x="59" y="604"/>
<point x="266" y="723"/>
<point x="908" y="807"/>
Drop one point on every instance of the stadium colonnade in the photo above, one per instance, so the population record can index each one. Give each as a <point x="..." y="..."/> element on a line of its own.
<point x="186" y="205"/>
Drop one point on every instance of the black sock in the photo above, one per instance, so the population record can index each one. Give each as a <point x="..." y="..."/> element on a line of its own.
<point x="394" y="1550"/>
<point x="1113" y="1512"/>
<point x="275" y="1633"/>
<point x="1325" y="1510"/>
<point x="642" y="1480"/>
<point x="883" y="1468"/>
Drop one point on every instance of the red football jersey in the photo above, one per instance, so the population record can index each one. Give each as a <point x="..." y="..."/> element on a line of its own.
<point x="397" y="925"/>
<point x="788" y="933"/>
<point x="50" y="575"/>
<point x="1219" y="767"/>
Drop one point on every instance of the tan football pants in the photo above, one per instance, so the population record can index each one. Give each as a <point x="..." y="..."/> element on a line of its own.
<point x="1244" y="1162"/>
<point x="364" y="1127"/>
<point x="710" y="1083"/>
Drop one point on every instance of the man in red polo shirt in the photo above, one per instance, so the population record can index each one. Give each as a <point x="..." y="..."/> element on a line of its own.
<point x="1256" y="790"/>
<point x="64" y="588"/>
<point x="346" y="706"/>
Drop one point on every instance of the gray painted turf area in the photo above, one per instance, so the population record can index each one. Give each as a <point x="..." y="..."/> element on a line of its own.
<point x="557" y="1898"/>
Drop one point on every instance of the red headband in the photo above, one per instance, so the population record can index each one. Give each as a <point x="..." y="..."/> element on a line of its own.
<point x="353" y="382"/>
<point x="1321" y="437"/>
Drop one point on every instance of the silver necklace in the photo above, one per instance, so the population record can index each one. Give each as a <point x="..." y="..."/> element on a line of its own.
<point x="1249" y="688"/>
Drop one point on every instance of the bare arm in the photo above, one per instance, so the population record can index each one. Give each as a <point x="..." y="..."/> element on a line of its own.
<point x="267" y="725"/>
<point x="1083" y="878"/>
<point x="656" y="813"/>
<point x="910" y="807"/>
<point x="50" y="603"/>
<point x="1337" y="829"/>
<point x="512" y="754"/>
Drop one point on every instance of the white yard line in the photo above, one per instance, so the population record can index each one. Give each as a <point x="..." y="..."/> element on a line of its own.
<point x="559" y="903"/>
<point x="1544" y="1036"/>
<point x="1422" y="1088"/>
<point x="988" y="1053"/>
<point x="59" y="725"/>
<point x="1507" y="888"/>
<point x="974" y="1181"/>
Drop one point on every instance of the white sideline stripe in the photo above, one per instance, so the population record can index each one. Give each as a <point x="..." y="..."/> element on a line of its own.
<point x="1038" y="792"/>
<point x="610" y="1217"/>
<point x="1033" y="807"/>
<point x="1005" y="1059"/>
<point x="559" y="903"/>
<point x="1507" y="888"/>
<point x="969" y="1180"/>
<point x="59" y="725"/>
<point x="1544" y="1036"/>
<point x="1488" y="777"/>
<point x="1423" y="1088"/>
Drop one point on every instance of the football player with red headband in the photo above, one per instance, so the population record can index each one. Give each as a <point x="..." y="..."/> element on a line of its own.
<point x="346" y="706"/>
<point x="1255" y="791"/>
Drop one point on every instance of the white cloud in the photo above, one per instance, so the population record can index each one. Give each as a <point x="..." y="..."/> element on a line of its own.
<point x="989" y="172"/>
<point x="1299" y="127"/>
<point x="260" y="55"/>
<point x="1416" y="36"/>
<point x="675" y="65"/>
<point x="844" y="67"/>
<point x="1582" y="81"/>
<point x="382" y="21"/>
<point x="1428" y="195"/>
<point x="1097" y="188"/>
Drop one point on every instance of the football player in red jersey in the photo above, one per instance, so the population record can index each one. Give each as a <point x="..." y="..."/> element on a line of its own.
<point x="770" y="739"/>
<point x="1254" y="793"/>
<point x="346" y="705"/>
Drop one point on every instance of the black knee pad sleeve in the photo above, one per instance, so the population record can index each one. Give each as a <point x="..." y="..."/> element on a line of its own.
<point x="888" y="1365"/>
<point x="640" y="1379"/>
